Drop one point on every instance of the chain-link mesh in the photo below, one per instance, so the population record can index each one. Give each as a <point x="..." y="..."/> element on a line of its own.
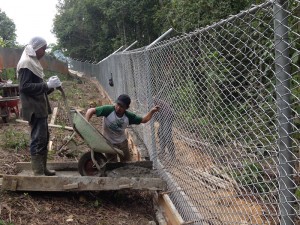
<point x="227" y="137"/>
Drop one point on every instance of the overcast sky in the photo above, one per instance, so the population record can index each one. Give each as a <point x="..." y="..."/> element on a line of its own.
<point x="31" y="17"/>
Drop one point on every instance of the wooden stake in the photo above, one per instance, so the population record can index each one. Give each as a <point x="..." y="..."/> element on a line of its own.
<point x="54" y="114"/>
<point x="170" y="212"/>
<point x="50" y="125"/>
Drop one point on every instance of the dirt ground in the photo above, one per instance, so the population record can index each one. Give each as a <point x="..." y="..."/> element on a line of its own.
<point x="107" y="207"/>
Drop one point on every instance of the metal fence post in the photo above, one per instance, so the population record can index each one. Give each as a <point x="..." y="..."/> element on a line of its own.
<point x="283" y="77"/>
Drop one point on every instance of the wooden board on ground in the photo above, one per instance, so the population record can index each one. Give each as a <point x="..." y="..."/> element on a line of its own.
<point x="68" y="179"/>
<point x="79" y="183"/>
<point x="170" y="212"/>
<point x="73" y="165"/>
<point x="58" y="166"/>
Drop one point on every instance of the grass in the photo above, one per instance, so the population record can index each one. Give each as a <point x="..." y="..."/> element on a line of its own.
<point x="2" y="222"/>
<point x="15" y="140"/>
<point x="9" y="74"/>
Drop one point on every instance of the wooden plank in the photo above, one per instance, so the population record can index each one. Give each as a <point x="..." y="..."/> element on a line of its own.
<point x="54" y="114"/>
<point x="71" y="186"/>
<point x="50" y="146"/>
<point x="50" y="125"/>
<point x="59" y="126"/>
<point x="13" y="185"/>
<point x="72" y="165"/>
<point x="58" y="166"/>
<point x="170" y="212"/>
<point x="181" y="200"/>
<point x="158" y="210"/>
<point x="53" y="117"/>
<point x="79" y="183"/>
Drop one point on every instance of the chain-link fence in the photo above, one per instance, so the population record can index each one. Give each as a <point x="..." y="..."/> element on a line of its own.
<point x="227" y="137"/>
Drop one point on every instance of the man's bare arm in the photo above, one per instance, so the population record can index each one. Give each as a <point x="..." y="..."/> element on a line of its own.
<point x="89" y="113"/>
<point x="150" y="114"/>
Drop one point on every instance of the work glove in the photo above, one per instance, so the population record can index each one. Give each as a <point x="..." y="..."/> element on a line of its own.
<point x="54" y="82"/>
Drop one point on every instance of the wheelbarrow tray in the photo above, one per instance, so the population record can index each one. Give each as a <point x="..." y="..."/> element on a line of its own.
<point x="8" y="105"/>
<point x="94" y="139"/>
<point x="9" y="101"/>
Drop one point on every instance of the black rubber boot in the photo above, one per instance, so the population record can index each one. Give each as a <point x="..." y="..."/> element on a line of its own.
<point x="37" y="165"/>
<point x="46" y="171"/>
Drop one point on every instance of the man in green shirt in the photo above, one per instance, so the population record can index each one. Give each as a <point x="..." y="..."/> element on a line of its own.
<point x="116" y="120"/>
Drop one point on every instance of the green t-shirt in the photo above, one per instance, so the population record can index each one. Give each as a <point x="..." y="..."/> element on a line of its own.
<point x="114" y="126"/>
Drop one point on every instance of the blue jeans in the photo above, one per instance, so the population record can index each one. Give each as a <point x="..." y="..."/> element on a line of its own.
<point x="39" y="136"/>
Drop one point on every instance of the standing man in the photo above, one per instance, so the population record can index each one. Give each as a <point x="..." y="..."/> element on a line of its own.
<point x="116" y="120"/>
<point x="35" y="103"/>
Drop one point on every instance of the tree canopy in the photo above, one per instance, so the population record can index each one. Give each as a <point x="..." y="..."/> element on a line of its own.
<point x="186" y="16"/>
<point x="7" y="31"/>
<point x="93" y="29"/>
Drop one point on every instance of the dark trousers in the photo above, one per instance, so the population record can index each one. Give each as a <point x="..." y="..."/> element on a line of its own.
<point x="39" y="136"/>
<point x="125" y="148"/>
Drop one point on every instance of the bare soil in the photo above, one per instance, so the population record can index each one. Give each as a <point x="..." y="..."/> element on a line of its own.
<point x="107" y="207"/>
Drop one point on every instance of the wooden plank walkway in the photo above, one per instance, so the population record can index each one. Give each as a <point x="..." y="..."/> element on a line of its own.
<point x="68" y="179"/>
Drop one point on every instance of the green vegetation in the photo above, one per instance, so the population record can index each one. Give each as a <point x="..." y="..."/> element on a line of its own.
<point x="93" y="29"/>
<point x="227" y="78"/>
<point x="8" y="31"/>
<point x="9" y="74"/>
<point x="253" y="177"/>
<point x="297" y="193"/>
<point x="2" y="222"/>
<point x="15" y="140"/>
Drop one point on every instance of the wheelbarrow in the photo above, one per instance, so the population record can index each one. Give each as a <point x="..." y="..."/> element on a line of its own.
<point x="91" y="163"/>
<point x="9" y="105"/>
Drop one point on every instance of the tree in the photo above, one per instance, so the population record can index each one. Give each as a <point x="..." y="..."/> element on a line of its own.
<point x="93" y="29"/>
<point x="186" y="16"/>
<point x="7" y="30"/>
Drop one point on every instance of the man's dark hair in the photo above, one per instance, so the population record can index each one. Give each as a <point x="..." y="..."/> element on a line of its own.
<point x="124" y="100"/>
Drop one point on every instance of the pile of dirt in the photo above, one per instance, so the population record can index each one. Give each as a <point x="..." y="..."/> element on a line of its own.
<point x="107" y="207"/>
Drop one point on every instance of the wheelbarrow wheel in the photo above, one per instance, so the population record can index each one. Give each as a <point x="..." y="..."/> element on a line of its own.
<point x="5" y="119"/>
<point x="4" y="114"/>
<point x="86" y="166"/>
